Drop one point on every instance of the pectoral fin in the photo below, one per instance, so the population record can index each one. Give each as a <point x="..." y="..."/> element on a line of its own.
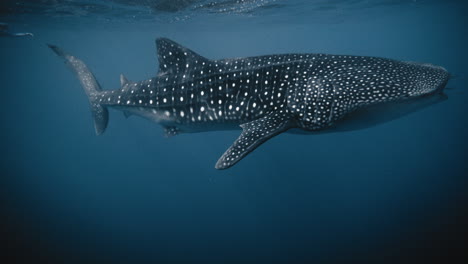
<point x="253" y="135"/>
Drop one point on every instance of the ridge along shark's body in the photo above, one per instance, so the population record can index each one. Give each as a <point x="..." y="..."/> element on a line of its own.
<point x="264" y="95"/>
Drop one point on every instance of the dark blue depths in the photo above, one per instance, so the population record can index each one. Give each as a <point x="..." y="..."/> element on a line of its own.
<point x="391" y="193"/>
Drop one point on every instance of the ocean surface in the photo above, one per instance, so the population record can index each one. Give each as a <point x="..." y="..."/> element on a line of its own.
<point x="393" y="193"/>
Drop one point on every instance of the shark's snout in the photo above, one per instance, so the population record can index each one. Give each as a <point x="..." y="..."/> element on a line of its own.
<point x="429" y="79"/>
<point x="441" y="75"/>
<point x="444" y="80"/>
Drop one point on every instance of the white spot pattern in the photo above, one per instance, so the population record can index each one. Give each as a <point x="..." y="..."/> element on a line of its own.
<point x="313" y="91"/>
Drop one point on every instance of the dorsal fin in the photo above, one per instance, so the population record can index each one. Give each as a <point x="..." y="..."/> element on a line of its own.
<point x="123" y="80"/>
<point x="174" y="58"/>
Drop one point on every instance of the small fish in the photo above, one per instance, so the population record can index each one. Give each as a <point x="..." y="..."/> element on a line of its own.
<point x="5" y="33"/>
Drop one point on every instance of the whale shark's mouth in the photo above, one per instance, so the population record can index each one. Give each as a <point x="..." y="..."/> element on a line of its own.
<point x="374" y="115"/>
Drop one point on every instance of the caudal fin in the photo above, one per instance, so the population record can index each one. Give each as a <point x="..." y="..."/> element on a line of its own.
<point x="90" y="86"/>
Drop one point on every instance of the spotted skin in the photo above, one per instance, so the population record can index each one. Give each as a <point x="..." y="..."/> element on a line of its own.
<point x="264" y="95"/>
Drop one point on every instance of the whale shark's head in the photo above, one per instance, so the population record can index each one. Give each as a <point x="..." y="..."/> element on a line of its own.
<point x="428" y="79"/>
<point x="410" y="87"/>
<point x="362" y="82"/>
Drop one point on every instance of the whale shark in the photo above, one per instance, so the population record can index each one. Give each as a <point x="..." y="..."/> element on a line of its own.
<point x="265" y="95"/>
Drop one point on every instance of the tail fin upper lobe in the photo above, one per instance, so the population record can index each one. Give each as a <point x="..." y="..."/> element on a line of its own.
<point x="90" y="86"/>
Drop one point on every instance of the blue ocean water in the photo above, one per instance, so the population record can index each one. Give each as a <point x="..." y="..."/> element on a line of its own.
<point x="394" y="193"/>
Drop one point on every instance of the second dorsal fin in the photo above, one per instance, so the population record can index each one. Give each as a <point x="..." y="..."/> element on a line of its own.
<point x="123" y="80"/>
<point x="174" y="58"/>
